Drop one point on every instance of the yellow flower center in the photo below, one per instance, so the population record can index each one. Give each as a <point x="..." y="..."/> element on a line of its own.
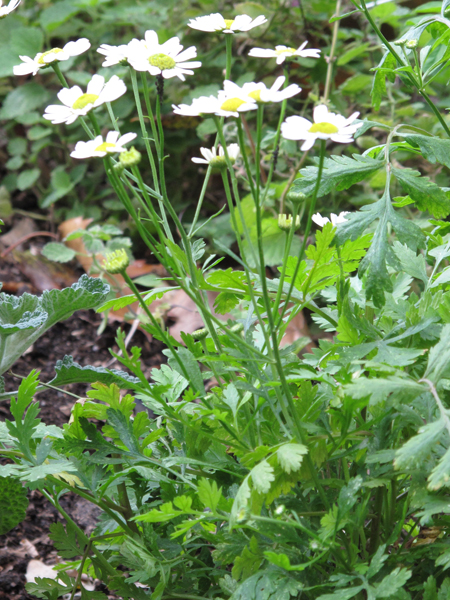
<point x="162" y="61"/>
<point x="324" y="127"/>
<point x="285" y="51"/>
<point x="104" y="147"/>
<point x="84" y="100"/>
<point x="41" y="60"/>
<point x="232" y="104"/>
<point x="256" y="95"/>
<point x="229" y="22"/>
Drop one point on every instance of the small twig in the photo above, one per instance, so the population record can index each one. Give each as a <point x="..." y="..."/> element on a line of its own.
<point x="27" y="237"/>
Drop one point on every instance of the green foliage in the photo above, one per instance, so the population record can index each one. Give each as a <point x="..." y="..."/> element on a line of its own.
<point x="13" y="503"/>
<point x="23" y="320"/>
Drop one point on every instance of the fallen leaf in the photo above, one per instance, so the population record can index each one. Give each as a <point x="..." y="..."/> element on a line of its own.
<point x="36" y="568"/>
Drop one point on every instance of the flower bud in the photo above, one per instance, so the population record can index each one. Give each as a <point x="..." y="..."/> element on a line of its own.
<point x="200" y="334"/>
<point x="412" y="44"/>
<point x="295" y="197"/>
<point x="285" y="222"/>
<point x="116" y="262"/>
<point x="237" y="328"/>
<point x="130" y="158"/>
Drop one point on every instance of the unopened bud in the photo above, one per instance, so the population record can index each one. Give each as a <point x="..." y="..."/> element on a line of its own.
<point x="285" y="222"/>
<point x="400" y="42"/>
<point x="200" y="334"/>
<point x="116" y="262"/>
<point x="237" y="328"/>
<point x="295" y="197"/>
<point x="130" y="158"/>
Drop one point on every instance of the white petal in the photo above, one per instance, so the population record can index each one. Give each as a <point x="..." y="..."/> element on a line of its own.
<point x="187" y="54"/>
<point x="308" y="144"/>
<point x="70" y="96"/>
<point x="126" y="138"/>
<point x="321" y="114"/>
<point x="78" y="47"/>
<point x="262" y="52"/>
<point x="111" y="137"/>
<point x="96" y="84"/>
<point x="25" y="68"/>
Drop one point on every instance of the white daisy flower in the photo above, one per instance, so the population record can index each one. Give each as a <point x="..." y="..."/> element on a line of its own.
<point x="217" y="160"/>
<point x="326" y="126"/>
<point x="44" y="59"/>
<point x="335" y="219"/>
<point x="260" y="93"/>
<point x="281" y="53"/>
<point x="114" y="55"/>
<point x="5" y="10"/>
<point x="215" y="22"/>
<point x="168" y="59"/>
<point x="229" y="103"/>
<point x="76" y="103"/>
<point x="99" y="147"/>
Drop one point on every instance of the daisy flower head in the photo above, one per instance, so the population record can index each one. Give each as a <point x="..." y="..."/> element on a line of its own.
<point x="334" y="219"/>
<point x="215" y="22"/>
<point x="281" y="53"/>
<point x="76" y="103"/>
<point x="44" y="59"/>
<point x="168" y="59"/>
<point x="260" y="93"/>
<point x="215" y="160"/>
<point x="100" y="147"/>
<point x="114" y="55"/>
<point x="5" y="10"/>
<point x="326" y="126"/>
<point x="228" y="103"/>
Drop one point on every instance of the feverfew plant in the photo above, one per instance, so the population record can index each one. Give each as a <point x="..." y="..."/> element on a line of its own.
<point x="269" y="466"/>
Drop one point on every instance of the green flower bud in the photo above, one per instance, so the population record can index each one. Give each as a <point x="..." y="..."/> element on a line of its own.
<point x="285" y="222"/>
<point x="116" y="262"/>
<point x="119" y="168"/>
<point x="295" y="197"/>
<point x="200" y="334"/>
<point x="130" y="158"/>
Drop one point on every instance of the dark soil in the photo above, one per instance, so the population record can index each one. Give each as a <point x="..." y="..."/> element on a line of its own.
<point x="78" y="337"/>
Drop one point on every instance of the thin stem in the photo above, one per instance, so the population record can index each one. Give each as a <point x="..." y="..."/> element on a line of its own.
<point x="229" y="54"/>
<point x="332" y="58"/>
<point x="245" y="158"/>
<point x="312" y="207"/>
<point x="200" y="202"/>
<point x="167" y="341"/>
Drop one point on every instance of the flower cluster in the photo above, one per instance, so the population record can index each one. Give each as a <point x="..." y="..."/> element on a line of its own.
<point x="326" y="126"/>
<point x="233" y="99"/>
<point x="100" y="147"/>
<point x="218" y="161"/>
<point x="45" y="59"/>
<point x="167" y="59"/>
<point x="76" y="103"/>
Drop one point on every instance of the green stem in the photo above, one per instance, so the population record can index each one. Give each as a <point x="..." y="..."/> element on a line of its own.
<point x="245" y="157"/>
<point x="167" y="341"/>
<point x="312" y="207"/>
<point x="229" y="53"/>
<point x="200" y="202"/>
<point x="288" y="242"/>
<point x="259" y="127"/>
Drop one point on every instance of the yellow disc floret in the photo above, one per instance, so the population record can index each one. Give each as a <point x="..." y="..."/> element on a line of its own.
<point x="116" y="262"/>
<point x="327" y="128"/>
<point x="232" y="104"/>
<point x="41" y="59"/>
<point x="104" y="147"/>
<point x="229" y="23"/>
<point x="162" y="61"/>
<point x="84" y="100"/>
<point x="256" y="95"/>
